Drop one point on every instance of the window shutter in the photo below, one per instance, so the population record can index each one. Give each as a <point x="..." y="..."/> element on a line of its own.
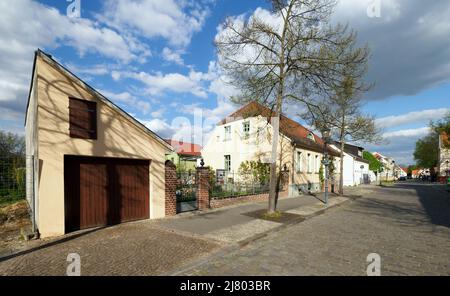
<point x="83" y="119"/>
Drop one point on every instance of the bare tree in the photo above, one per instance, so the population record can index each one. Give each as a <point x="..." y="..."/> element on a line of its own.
<point x="341" y="112"/>
<point x="285" y="57"/>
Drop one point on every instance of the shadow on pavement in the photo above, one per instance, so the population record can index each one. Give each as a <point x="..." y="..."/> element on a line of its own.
<point x="45" y="245"/>
<point x="435" y="202"/>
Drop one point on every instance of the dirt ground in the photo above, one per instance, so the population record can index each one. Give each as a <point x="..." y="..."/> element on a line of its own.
<point x="14" y="222"/>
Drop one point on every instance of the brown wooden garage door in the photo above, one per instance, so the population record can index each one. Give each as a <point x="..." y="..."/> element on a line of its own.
<point x="104" y="191"/>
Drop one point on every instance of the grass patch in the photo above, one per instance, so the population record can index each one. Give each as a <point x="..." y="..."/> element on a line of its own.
<point x="270" y="216"/>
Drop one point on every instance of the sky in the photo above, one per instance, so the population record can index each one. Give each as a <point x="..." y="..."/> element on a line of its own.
<point x="156" y="60"/>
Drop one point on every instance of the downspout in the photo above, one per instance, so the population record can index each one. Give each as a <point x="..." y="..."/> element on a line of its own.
<point x="33" y="201"/>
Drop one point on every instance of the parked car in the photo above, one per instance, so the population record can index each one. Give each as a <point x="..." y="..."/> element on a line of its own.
<point x="402" y="178"/>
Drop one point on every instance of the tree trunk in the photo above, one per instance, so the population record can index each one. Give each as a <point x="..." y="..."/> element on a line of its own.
<point x="273" y="164"/>
<point x="276" y="127"/>
<point x="341" y="169"/>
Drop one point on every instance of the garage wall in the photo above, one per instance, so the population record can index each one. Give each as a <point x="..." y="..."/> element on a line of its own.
<point x="117" y="137"/>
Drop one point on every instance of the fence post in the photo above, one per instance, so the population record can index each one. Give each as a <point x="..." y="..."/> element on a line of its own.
<point x="203" y="188"/>
<point x="170" y="190"/>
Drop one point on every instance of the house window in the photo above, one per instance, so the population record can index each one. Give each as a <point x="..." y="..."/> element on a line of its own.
<point x="227" y="133"/>
<point x="227" y="163"/>
<point x="310" y="164"/>
<point x="246" y="129"/>
<point x="317" y="165"/>
<point x="311" y="136"/>
<point x="82" y="119"/>
<point x="298" y="164"/>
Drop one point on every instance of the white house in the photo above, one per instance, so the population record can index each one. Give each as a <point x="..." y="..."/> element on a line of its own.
<point x="388" y="166"/>
<point x="444" y="156"/>
<point x="356" y="169"/>
<point x="246" y="135"/>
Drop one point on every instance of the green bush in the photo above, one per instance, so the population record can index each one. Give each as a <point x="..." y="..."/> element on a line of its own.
<point x="9" y="196"/>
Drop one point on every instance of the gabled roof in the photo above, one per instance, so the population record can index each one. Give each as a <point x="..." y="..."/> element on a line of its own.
<point x="351" y="149"/>
<point x="48" y="58"/>
<point x="288" y="127"/>
<point x="185" y="148"/>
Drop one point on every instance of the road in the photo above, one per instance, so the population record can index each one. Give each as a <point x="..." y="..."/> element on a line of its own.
<point x="408" y="225"/>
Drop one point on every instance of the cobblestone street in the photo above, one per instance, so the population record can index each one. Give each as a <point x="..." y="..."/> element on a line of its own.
<point x="138" y="248"/>
<point x="407" y="225"/>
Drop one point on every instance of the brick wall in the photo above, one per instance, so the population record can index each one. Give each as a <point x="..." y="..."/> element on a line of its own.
<point x="203" y="188"/>
<point x="171" y="185"/>
<point x="224" y="202"/>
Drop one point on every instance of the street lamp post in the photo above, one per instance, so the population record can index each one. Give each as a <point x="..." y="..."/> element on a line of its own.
<point x="326" y="160"/>
<point x="393" y="170"/>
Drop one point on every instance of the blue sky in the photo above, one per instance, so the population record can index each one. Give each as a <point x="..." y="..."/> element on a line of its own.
<point x="156" y="59"/>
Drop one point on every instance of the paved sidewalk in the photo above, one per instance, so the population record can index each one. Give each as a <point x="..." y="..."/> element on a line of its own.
<point x="237" y="224"/>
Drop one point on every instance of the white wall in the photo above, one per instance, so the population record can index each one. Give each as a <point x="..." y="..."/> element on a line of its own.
<point x="238" y="146"/>
<point x="360" y="172"/>
<point x="257" y="147"/>
<point x="353" y="174"/>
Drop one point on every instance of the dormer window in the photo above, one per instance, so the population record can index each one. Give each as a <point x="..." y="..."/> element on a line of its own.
<point x="311" y="136"/>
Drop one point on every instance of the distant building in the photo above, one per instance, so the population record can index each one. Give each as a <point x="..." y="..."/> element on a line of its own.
<point x="415" y="173"/>
<point x="185" y="155"/>
<point x="356" y="168"/>
<point x="443" y="168"/>
<point x="389" y="167"/>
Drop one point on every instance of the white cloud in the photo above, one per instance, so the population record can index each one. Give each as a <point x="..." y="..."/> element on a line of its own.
<point x="158" y="113"/>
<point x="27" y="25"/>
<point x="176" y="82"/>
<point x="96" y="70"/>
<point x="129" y="100"/>
<point x="160" y="127"/>
<point x="172" y="56"/>
<point x="412" y="117"/>
<point x="196" y="126"/>
<point x="417" y="132"/>
<point x="409" y="43"/>
<point x="175" y="21"/>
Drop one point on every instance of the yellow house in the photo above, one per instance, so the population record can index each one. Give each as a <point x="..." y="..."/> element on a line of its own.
<point x="91" y="164"/>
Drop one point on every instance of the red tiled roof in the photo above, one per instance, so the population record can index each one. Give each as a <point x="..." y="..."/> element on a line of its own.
<point x="288" y="127"/>
<point x="185" y="148"/>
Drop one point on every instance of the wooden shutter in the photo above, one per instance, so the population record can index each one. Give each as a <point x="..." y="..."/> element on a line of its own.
<point x="83" y="119"/>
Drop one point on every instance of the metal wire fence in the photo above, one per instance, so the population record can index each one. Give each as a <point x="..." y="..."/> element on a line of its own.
<point x="12" y="179"/>
<point x="232" y="184"/>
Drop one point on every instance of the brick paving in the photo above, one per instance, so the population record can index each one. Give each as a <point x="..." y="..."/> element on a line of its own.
<point x="138" y="248"/>
<point x="408" y="225"/>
